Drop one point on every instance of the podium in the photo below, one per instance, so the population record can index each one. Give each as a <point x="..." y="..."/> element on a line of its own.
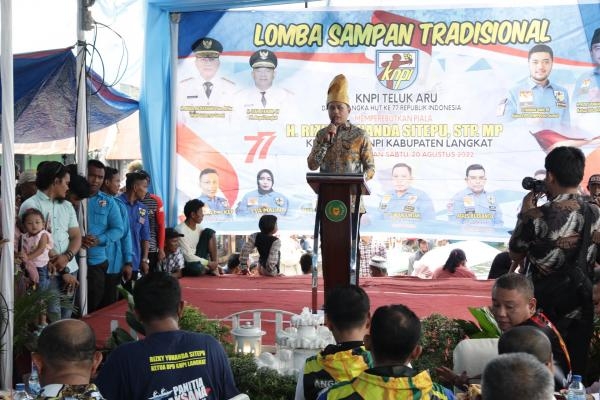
<point x="337" y="220"/>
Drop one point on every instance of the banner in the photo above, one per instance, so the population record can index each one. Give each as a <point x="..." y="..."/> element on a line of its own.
<point x="459" y="104"/>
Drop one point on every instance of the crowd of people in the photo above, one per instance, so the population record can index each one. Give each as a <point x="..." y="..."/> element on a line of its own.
<point x="554" y="247"/>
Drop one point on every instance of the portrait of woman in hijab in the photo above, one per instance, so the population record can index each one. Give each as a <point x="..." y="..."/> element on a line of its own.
<point x="263" y="200"/>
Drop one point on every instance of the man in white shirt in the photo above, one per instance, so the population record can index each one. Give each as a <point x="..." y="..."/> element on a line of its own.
<point x="194" y="235"/>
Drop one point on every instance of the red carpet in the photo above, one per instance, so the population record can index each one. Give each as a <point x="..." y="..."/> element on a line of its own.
<point x="218" y="297"/>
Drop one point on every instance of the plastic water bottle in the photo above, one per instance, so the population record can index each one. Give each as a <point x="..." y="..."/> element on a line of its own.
<point x="34" y="381"/>
<point x="20" y="393"/>
<point x="576" y="389"/>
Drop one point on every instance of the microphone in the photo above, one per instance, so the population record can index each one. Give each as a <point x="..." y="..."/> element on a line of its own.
<point x="331" y="131"/>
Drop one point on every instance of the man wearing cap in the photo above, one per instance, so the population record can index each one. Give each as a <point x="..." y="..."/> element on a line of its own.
<point x="205" y="95"/>
<point x="26" y="186"/>
<point x="341" y="147"/>
<point x="378" y="267"/>
<point x="536" y="99"/>
<point x="593" y="187"/>
<point x="369" y="248"/>
<point x="174" y="262"/>
<point x="263" y="101"/>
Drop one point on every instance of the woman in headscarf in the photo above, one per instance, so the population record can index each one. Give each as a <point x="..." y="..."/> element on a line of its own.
<point x="263" y="200"/>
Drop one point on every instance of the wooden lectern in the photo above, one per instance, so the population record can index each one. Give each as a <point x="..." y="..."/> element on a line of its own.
<point x="337" y="220"/>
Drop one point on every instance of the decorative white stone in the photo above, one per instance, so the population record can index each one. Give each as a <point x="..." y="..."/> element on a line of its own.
<point x="306" y="337"/>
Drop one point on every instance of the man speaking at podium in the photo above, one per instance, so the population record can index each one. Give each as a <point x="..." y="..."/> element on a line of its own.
<point x="341" y="148"/>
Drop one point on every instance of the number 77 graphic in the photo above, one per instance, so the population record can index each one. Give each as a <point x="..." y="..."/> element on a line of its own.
<point x="262" y="138"/>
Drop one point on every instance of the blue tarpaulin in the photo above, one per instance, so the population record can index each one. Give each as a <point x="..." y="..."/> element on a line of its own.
<point x="45" y="90"/>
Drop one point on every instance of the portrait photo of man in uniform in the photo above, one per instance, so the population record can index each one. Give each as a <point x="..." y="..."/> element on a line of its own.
<point x="264" y="100"/>
<point x="586" y="93"/>
<point x="203" y="93"/>
<point x="537" y="100"/>
<point x="474" y="205"/>
<point x="405" y="202"/>
<point x="215" y="207"/>
<point x="587" y="88"/>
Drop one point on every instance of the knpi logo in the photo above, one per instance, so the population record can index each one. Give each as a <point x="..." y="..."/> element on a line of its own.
<point x="396" y="69"/>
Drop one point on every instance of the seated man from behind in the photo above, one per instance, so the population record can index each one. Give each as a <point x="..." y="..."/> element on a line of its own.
<point x="268" y="246"/>
<point x="348" y="311"/>
<point x="306" y="263"/>
<point x="530" y="340"/>
<point x="66" y="360"/>
<point x="168" y="361"/>
<point x="516" y="376"/>
<point x="394" y="342"/>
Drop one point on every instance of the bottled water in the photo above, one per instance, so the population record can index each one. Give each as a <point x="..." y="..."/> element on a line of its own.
<point x="34" y="381"/>
<point x="20" y="393"/>
<point x="576" y="389"/>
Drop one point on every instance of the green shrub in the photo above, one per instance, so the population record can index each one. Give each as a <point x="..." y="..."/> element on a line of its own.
<point x="194" y="320"/>
<point x="261" y="383"/>
<point x="439" y="337"/>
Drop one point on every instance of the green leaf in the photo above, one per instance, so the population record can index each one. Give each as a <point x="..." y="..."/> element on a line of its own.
<point x="486" y="321"/>
<point x="469" y="327"/>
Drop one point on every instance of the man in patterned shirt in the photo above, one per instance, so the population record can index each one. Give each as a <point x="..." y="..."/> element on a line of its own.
<point x="551" y="237"/>
<point x="174" y="262"/>
<point x="368" y="248"/>
<point x="66" y="360"/>
<point x="394" y="342"/>
<point x="341" y="147"/>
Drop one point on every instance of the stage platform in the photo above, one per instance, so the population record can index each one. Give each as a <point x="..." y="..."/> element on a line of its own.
<point x="219" y="297"/>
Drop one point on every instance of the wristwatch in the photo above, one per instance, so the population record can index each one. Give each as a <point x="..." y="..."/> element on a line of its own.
<point x="64" y="271"/>
<point x="146" y="260"/>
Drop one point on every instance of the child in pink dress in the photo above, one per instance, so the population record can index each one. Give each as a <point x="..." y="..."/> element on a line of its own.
<point x="36" y="244"/>
<point x="36" y="250"/>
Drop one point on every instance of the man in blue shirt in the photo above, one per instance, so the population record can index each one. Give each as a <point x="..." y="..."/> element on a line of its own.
<point x="474" y="205"/>
<point x="586" y="94"/>
<point x="216" y="208"/>
<point x="406" y="203"/>
<point x="535" y="99"/>
<point x="104" y="226"/>
<point x="136" y="186"/>
<point x="168" y="362"/>
<point x="587" y="88"/>
<point x="120" y="252"/>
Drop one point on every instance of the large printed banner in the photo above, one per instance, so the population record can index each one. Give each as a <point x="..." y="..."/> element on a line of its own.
<point x="460" y="106"/>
